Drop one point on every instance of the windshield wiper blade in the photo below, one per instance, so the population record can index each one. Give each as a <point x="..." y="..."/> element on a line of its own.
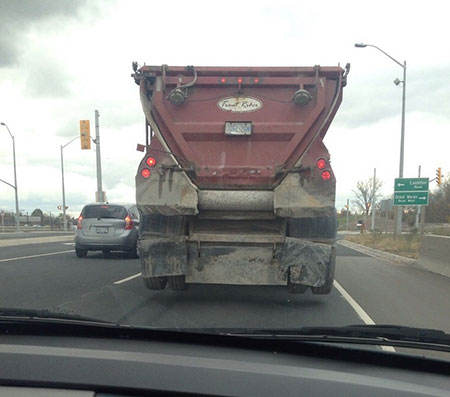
<point x="44" y="314"/>
<point x="389" y="334"/>
<point x="386" y="331"/>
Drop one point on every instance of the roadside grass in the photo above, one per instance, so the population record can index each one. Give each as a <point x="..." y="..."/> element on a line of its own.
<point x="441" y="231"/>
<point x="405" y="245"/>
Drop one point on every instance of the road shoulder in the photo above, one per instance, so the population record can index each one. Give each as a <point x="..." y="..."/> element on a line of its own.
<point x="376" y="253"/>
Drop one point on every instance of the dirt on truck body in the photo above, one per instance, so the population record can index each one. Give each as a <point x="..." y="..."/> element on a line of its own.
<point x="236" y="185"/>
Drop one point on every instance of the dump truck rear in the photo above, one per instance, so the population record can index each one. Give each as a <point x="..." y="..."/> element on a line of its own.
<point x="236" y="185"/>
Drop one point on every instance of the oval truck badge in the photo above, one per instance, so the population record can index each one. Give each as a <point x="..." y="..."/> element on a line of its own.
<point x="239" y="104"/>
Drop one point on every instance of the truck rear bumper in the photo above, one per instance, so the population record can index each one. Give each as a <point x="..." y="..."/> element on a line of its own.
<point x="301" y="261"/>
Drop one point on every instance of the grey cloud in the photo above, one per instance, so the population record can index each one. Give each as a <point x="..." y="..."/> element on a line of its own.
<point x="370" y="99"/>
<point x="16" y="16"/>
<point x="47" y="79"/>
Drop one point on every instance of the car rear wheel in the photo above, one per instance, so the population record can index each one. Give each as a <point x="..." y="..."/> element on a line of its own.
<point x="80" y="252"/>
<point x="155" y="283"/>
<point x="178" y="283"/>
<point x="133" y="253"/>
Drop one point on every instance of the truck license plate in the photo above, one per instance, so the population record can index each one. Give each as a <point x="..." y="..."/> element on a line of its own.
<point x="238" y="128"/>
<point x="101" y="230"/>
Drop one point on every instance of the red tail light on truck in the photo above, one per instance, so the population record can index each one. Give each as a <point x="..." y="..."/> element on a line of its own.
<point x="321" y="164"/>
<point x="150" y="161"/>
<point x="145" y="173"/>
<point x="326" y="175"/>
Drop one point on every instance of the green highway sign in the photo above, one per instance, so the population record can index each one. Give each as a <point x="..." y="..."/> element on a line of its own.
<point x="411" y="198"/>
<point x="411" y="191"/>
<point x="411" y="185"/>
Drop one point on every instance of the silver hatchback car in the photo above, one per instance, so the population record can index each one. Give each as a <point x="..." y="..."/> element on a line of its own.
<point x="107" y="227"/>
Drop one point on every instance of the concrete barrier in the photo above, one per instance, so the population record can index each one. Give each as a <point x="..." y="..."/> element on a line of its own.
<point x="434" y="254"/>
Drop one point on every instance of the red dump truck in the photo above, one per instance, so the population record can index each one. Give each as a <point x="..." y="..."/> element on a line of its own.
<point x="236" y="185"/>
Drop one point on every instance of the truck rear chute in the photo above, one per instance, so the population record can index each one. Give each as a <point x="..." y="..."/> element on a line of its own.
<point x="236" y="186"/>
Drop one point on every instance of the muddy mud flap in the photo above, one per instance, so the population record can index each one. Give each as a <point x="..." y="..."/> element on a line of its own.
<point x="306" y="262"/>
<point x="303" y="262"/>
<point x="163" y="256"/>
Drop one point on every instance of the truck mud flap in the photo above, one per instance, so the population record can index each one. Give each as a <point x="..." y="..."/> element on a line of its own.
<point x="163" y="256"/>
<point x="307" y="262"/>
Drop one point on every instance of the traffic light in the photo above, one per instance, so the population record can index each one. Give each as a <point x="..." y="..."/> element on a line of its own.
<point x="439" y="176"/>
<point x="85" y="134"/>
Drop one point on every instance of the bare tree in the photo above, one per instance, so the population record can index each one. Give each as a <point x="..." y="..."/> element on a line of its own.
<point x="365" y="193"/>
<point x="438" y="210"/>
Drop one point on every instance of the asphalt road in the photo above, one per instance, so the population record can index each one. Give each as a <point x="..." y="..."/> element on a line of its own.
<point x="108" y="287"/>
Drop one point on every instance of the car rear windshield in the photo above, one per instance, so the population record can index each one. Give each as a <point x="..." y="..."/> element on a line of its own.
<point x="104" y="211"/>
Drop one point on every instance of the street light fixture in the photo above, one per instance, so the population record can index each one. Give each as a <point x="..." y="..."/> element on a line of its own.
<point x="15" y="178"/>
<point x="398" y="223"/>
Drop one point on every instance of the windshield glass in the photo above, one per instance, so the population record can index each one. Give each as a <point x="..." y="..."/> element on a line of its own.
<point x="280" y="164"/>
<point x="104" y="211"/>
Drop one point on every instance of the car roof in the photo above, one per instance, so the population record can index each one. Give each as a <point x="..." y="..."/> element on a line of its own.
<point x="126" y="205"/>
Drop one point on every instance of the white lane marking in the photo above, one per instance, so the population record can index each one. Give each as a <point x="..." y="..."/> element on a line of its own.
<point x="124" y="280"/>
<point x="69" y="244"/>
<point x="35" y="256"/>
<point x="359" y="311"/>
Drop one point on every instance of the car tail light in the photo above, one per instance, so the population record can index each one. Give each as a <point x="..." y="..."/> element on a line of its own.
<point x="80" y="219"/>
<point x="128" y="223"/>
<point x="150" y="161"/>
<point x="321" y="164"/>
<point x="145" y="173"/>
<point x="326" y="175"/>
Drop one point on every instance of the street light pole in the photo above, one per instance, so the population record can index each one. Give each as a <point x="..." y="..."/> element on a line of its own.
<point x="62" y="179"/>
<point x="399" y="211"/>
<point x="15" y="178"/>
<point x="63" y="191"/>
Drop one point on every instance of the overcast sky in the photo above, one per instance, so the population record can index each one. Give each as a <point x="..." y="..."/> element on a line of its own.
<point x="60" y="60"/>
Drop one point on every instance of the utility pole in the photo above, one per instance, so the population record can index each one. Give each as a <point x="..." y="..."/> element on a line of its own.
<point x="348" y="210"/>
<point x="373" y="199"/>
<point x="99" y="196"/>
<point x="418" y="208"/>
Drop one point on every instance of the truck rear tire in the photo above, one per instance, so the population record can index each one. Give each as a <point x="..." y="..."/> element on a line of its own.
<point x="178" y="283"/>
<point x="313" y="227"/>
<point x="294" y="288"/>
<point x="156" y="223"/>
<point x="328" y="286"/>
<point x="155" y="283"/>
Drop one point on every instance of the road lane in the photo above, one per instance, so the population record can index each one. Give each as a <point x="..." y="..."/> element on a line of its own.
<point x="44" y="282"/>
<point x="214" y="306"/>
<point x="109" y="287"/>
<point x="34" y="249"/>
<point x="395" y="293"/>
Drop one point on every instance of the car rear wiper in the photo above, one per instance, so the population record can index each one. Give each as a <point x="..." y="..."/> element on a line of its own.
<point x="44" y="314"/>
<point x="385" y="334"/>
